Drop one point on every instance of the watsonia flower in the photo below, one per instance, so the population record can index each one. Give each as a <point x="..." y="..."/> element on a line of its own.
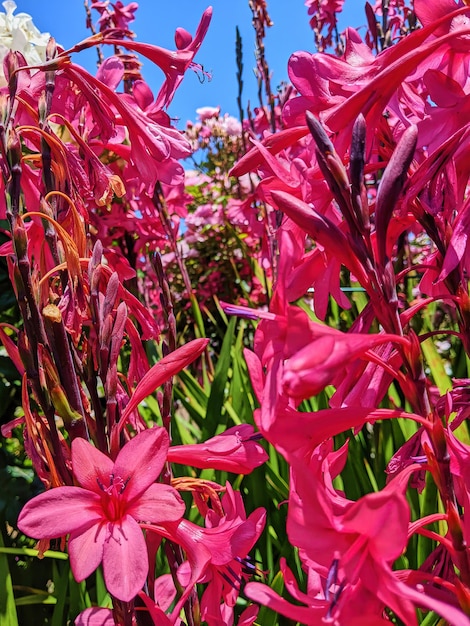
<point x="101" y="514"/>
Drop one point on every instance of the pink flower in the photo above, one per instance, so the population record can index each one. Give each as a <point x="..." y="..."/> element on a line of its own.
<point x="101" y="514"/>
<point x="235" y="450"/>
<point x="207" y="113"/>
<point x="229" y="536"/>
<point x="311" y="369"/>
<point x="173" y="63"/>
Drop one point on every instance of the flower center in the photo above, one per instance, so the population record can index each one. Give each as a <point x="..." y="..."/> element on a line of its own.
<point x="113" y="503"/>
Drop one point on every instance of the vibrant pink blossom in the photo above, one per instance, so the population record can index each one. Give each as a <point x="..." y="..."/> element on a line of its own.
<point x="323" y="14"/>
<point x="229" y="538"/>
<point x="173" y="63"/>
<point x="308" y="371"/>
<point x="119" y="17"/>
<point x="101" y="514"/>
<point x="235" y="450"/>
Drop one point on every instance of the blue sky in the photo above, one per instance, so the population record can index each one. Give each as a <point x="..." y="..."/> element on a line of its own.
<point x="156" y="21"/>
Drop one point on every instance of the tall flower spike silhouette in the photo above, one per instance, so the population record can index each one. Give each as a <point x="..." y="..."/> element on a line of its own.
<point x="101" y="514"/>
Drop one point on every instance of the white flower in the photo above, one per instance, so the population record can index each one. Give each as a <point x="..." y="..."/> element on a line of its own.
<point x="17" y="32"/>
<point x="231" y="126"/>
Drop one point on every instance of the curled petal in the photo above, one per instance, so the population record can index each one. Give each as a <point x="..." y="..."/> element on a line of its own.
<point x="233" y="451"/>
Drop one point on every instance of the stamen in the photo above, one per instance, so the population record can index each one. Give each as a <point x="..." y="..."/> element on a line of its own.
<point x="332" y="577"/>
<point x="228" y="579"/>
<point x="419" y="459"/>
<point x="337" y="595"/>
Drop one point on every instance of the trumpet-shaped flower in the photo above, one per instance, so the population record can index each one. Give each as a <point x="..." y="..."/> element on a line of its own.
<point x="101" y="514"/>
<point x="235" y="450"/>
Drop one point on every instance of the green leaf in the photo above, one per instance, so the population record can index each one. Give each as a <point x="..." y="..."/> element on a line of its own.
<point x="36" y="598"/>
<point x="49" y="554"/>
<point x="436" y="365"/>
<point x="102" y="595"/>
<point x="61" y="583"/>
<point x="8" y="616"/>
<point x="267" y="617"/>
<point x="79" y="598"/>
<point x="193" y="389"/>
<point x="217" y="394"/>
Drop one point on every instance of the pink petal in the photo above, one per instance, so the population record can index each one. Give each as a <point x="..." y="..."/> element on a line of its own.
<point x="378" y="516"/>
<point x="95" y="616"/>
<point x="451" y="614"/>
<point x="256" y="373"/>
<point x="160" y="503"/>
<point x="163" y="371"/>
<point x="164" y="591"/>
<point x="226" y="544"/>
<point x="86" y="550"/>
<point x="248" y="616"/>
<point x="110" y="72"/>
<point x="274" y="143"/>
<point x="58" y="512"/>
<point x="90" y="466"/>
<point x="141" y="460"/>
<point x="231" y="451"/>
<point x="320" y="228"/>
<point x="190" y="538"/>
<point x="142" y="94"/>
<point x="306" y="615"/>
<point x="125" y="561"/>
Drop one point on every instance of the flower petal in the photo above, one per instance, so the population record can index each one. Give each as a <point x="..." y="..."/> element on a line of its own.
<point x="141" y="460"/>
<point x="234" y="450"/>
<point x="125" y="560"/>
<point x="162" y="371"/>
<point x="95" y="616"/>
<point x="160" y="503"/>
<point x="306" y="615"/>
<point x="59" y="511"/>
<point x="90" y="466"/>
<point x="86" y="550"/>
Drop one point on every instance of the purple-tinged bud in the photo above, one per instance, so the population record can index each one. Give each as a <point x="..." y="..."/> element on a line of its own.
<point x="13" y="191"/>
<point x="11" y="63"/>
<point x="392" y="184"/>
<point x="96" y="257"/>
<point x="332" y="169"/>
<point x="112" y="289"/>
<point x="356" y="169"/>
<point x="20" y="239"/>
<point x="106" y="331"/>
<point x="317" y="131"/>
<point x="118" y="332"/>
<point x="14" y="149"/>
